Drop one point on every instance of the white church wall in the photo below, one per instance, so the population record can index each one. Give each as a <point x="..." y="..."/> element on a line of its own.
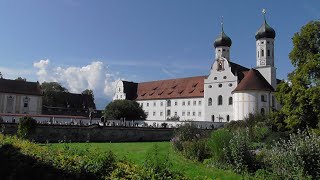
<point x="119" y="94"/>
<point x="251" y="102"/>
<point x="219" y="82"/>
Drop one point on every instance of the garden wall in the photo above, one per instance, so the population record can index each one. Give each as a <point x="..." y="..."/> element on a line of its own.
<point x="94" y="133"/>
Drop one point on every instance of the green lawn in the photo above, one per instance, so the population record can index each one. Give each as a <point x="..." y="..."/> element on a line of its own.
<point x="136" y="153"/>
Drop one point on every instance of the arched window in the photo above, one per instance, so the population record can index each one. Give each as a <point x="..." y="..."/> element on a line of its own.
<point x="258" y="53"/>
<point x="169" y="103"/>
<point x="212" y="118"/>
<point x="262" y="52"/>
<point x="219" y="100"/>
<point x="228" y="118"/>
<point x="230" y="101"/>
<point x="210" y="102"/>
<point x="268" y="52"/>
<point x="168" y="112"/>
<point x="262" y="111"/>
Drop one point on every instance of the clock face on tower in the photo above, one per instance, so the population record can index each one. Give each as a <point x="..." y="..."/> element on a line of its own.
<point x="262" y="62"/>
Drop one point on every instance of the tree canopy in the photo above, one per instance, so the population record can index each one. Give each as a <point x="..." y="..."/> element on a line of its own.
<point x="300" y="95"/>
<point x="130" y="110"/>
<point x="53" y="86"/>
<point x="21" y="79"/>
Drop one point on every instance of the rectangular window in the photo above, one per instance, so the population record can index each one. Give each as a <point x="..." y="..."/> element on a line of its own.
<point x="147" y="104"/>
<point x="154" y="113"/>
<point x="199" y="103"/>
<point x="25" y="105"/>
<point x="199" y="114"/>
<point x="175" y="113"/>
<point x="161" y="113"/>
<point x="176" y="103"/>
<point x="168" y="112"/>
<point x="183" y="113"/>
<point x="188" y="103"/>
<point x="188" y="113"/>
<point x="161" y="103"/>
<point x="154" y="103"/>
<point x="193" y="113"/>
<point x="183" y="103"/>
<point x="194" y="103"/>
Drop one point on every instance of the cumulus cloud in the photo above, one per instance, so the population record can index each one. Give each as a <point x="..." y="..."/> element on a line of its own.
<point x="95" y="76"/>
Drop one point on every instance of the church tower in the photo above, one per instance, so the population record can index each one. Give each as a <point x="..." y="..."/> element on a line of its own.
<point x="265" y="52"/>
<point x="222" y="45"/>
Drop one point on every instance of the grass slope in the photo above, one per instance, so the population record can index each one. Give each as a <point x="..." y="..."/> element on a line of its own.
<point x="136" y="153"/>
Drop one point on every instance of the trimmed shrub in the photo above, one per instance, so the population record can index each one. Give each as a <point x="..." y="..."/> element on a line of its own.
<point x="26" y="127"/>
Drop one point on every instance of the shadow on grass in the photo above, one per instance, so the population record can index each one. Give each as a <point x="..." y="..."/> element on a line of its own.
<point x="15" y="165"/>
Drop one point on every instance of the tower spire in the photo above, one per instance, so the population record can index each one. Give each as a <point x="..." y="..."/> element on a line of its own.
<point x="264" y="15"/>
<point x="222" y="24"/>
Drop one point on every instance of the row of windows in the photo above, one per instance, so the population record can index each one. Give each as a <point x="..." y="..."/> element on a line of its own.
<point x="262" y="53"/>
<point x="220" y="101"/>
<point x="184" y="103"/>
<point x="224" y="77"/>
<point x="188" y="113"/>
<point x="220" y="85"/>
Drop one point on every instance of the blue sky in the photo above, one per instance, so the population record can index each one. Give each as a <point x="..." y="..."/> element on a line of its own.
<point x="91" y="44"/>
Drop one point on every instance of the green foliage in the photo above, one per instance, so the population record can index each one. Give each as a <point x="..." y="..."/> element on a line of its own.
<point x="296" y="158"/>
<point x="26" y="127"/>
<point x="300" y="96"/>
<point x="52" y="86"/>
<point x="239" y="156"/>
<point x="219" y="145"/>
<point x="159" y="166"/>
<point x="191" y="141"/>
<point x="130" y="110"/>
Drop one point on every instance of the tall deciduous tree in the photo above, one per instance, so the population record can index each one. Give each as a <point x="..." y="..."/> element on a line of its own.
<point x="53" y="86"/>
<point x="130" y="110"/>
<point x="300" y="95"/>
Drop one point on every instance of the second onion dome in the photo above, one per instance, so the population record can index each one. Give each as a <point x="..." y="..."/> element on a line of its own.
<point x="222" y="40"/>
<point x="265" y="31"/>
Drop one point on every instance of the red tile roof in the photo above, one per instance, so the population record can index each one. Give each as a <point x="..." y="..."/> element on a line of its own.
<point x="20" y="87"/>
<point x="253" y="80"/>
<point x="172" y="88"/>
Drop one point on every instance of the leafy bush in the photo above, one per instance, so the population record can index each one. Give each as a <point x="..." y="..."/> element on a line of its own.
<point x="192" y="142"/>
<point x="240" y="157"/>
<point x="26" y="127"/>
<point x="158" y="166"/>
<point x="196" y="150"/>
<point x="219" y="145"/>
<point x="296" y="158"/>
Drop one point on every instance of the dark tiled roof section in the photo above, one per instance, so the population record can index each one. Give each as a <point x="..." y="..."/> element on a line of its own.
<point x="238" y="70"/>
<point x="172" y="88"/>
<point x="20" y="87"/>
<point x="253" y="80"/>
<point x="130" y="88"/>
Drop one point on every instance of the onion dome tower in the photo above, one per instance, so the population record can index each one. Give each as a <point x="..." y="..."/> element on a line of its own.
<point x="265" y="51"/>
<point x="222" y="45"/>
<point x="265" y="44"/>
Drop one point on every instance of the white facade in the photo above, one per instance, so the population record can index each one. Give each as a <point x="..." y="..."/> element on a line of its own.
<point x="217" y="92"/>
<point x="119" y="91"/>
<point x="186" y="109"/>
<point x="20" y="103"/>
<point x="252" y="102"/>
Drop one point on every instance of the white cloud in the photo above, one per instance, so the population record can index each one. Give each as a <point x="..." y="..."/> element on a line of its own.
<point x="95" y="76"/>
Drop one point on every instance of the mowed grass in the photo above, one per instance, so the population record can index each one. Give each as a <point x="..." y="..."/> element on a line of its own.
<point x="136" y="153"/>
